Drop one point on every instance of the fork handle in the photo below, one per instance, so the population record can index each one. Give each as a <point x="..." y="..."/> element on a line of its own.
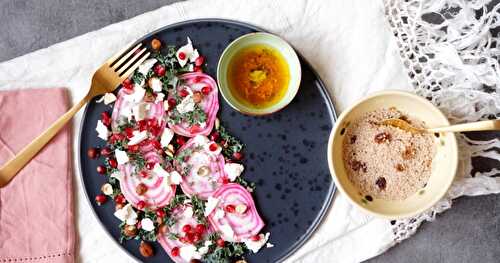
<point x="12" y="167"/>
<point x="491" y="125"/>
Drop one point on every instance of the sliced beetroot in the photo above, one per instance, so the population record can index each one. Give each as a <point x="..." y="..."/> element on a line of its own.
<point x="182" y="216"/>
<point x="123" y="106"/>
<point x="229" y="214"/>
<point x="205" y="170"/>
<point x="199" y="82"/>
<point x="158" y="194"/>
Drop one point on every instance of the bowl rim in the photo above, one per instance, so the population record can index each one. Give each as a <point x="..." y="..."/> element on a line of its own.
<point x="453" y="159"/>
<point x="295" y="89"/>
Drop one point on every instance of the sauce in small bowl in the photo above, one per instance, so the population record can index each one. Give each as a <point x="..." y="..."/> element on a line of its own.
<point x="258" y="74"/>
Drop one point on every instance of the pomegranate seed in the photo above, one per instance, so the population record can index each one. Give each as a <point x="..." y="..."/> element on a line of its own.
<point x="120" y="199"/>
<point x="197" y="69"/>
<point x="160" y="213"/>
<point x="159" y="70"/>
<point x="133" y="148"/>
<point x="182" y="55"/>
<point x="155" y="131"/>
<point x="256" y="238"/>
<point x="190" y="237"/>
<point x="206" y="90"/>
<point x="105" y="151"/>
<point x="180" y="140"/>
<point x="143" y="124"/>
<point x="144" y="174"/>
<point x="213" y="147"/>
<point x="196" y="237"/>
<point x="200" y="228"/>
<point x="197" y="79"/>
<point x="225" y="180"/>
<point x="152" y="123"/>
<point x="156" y="144"/>
<point x="199" y="61"/>
<point x="220" y="242"/>
<point x="184" y="239"/>
<point x="129" y="131"/>
<point x="100" y="199"/>
<point x="112" y="162"/>
<point x="230" y="208"/>
<point x="150" y="166"/>
<point x="238" y="156"/>
<point x="186" y="228"/>
<point x="174" y="252"/>
<point x="101" y="169"/>
<point x="214" y="136"/>
<point x="105" y="118"/>
<point x="93" y="153"/>
<point x="141" y="205"/>
<point x="195" y="128"/>
<point x="183" y="93"/>
<point x="172" y="103"/>
<point x="127" y="82"/>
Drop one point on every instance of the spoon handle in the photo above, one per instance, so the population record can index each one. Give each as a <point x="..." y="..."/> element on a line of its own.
<point x="491" y="125"/>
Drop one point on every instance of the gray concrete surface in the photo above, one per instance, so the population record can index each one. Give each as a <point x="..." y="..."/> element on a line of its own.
<point x="470" y="232"/>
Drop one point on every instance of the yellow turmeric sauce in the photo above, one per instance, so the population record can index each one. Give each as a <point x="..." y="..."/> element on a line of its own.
<point x="258" y="76"/>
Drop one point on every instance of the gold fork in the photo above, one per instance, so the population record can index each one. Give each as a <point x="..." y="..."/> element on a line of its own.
<point x="105" y="79"/>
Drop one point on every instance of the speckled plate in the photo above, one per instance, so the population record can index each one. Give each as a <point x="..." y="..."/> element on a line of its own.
<point x="286" y="152"/>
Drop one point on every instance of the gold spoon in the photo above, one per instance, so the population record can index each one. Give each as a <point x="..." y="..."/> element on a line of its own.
<point x="491" y="125"/>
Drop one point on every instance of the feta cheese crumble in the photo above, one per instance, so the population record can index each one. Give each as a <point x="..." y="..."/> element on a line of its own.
<point x="121" y="157"/>
<point x="255" y="246"/>
<point x="210" y="205"/>
<point x="186" y="105"/>
<point x="155" y="84"/>
<point x="127" y="214"/>
<point x="107" y="189"/>
<point x="233" y="170"/>
<point x="146" y="66"/>
<point x="138" y="137"/>
<point x="147" y="224"/>
<point x="189" y="252"/>
<point x="166" y="137"/>
<point x="102" y="130"/>
<point x="175" y="178"/>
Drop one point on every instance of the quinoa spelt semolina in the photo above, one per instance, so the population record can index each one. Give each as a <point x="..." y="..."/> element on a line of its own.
<point x="386" y="162"/>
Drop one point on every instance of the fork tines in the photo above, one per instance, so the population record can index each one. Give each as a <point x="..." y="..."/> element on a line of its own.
<point x="125" y="63"/>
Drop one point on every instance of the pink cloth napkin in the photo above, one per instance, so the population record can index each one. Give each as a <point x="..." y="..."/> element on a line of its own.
<point x="36" y="208"/>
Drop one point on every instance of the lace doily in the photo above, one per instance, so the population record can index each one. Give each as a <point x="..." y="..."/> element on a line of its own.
<point x="450" y="50"/>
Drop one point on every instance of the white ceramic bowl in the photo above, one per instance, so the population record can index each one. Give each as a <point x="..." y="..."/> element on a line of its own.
<point x="251" y="39"/>
<point x="444" y="164"/>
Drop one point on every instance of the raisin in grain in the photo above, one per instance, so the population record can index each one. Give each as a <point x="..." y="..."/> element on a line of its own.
<point x="353" y="139"/>
<point x="381" y="183"/>
<point x="382" y="137"/>
<point x="400" y="167"/>
<point x="409" y="153"/>
<point x="357" y="165"/>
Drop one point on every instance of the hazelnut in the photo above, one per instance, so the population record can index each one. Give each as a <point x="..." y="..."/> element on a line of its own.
<point x="149" y="97"/>
<point x="163" y="229"/>
<point x="217" y="123"/>
<point x="93" y="153"/>
<point x="141" y="189"/>
<point x="155" y="44"/>
<point x="197" y="97"/>
<point x="146" y="249"/>
<point x="130" y="230"/>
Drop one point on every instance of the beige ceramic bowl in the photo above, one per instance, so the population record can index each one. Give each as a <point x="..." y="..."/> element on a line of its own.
<point x="444" y="164"/>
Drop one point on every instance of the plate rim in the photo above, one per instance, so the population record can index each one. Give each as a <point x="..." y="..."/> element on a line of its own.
<point x="323" y="91"/>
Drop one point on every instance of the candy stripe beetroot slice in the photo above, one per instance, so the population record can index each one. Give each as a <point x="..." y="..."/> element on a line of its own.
<point x="123" y="107"/>
<point x="205" y="169"/>
<point x="210" y="103"/>
<point x="182" y="215"/>
<point x="158" y="194"/>
<point x="225" y="220"/>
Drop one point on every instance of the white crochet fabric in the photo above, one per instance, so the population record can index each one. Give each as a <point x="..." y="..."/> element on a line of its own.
<point x="450" y="53"/>
<point x="333" y="36"/>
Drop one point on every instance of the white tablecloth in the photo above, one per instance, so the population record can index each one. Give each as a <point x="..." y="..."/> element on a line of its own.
<point x="347" y="42"/>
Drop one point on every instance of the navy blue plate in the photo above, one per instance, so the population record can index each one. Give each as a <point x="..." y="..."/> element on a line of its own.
<point x="285" y="152"/>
